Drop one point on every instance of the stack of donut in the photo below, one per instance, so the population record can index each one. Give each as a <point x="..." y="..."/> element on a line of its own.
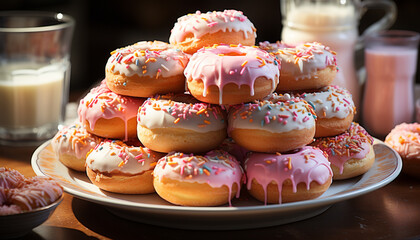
<point x="307" y="71"/>
<point x="196" y="118"/>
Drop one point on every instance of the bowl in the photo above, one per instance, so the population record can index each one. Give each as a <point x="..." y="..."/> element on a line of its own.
<point x="17" y="225"/>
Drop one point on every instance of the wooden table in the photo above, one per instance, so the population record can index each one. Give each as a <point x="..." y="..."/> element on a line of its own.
<point x="392" y="212"/>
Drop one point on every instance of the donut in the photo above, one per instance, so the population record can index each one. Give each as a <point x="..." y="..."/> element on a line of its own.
<point x="231" y="74"/>
<point x="146" y="68"/>
<point x="305" y="66"/>
<point x="116" y="167"/>
<point x="72" y="143"/>
<point x="405" y="139"/>
<point x="19" y="194"/>
<point x="10" y="178"/>
<point x="350" y="153"/>
<point x="334" y="108"/>
<point x="198" y="180"/>
<point x="178" y="122"/>
<point x="194" y="31"/>
<point x="109" y="115"/>
<point x="303" y="174"/>
<point x="279" y="123"/>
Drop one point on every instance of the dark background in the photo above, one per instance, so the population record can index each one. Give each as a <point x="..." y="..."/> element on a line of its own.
<point x="102" y="26"/>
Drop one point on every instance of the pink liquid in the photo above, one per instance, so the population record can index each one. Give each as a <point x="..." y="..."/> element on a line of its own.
<point x="388" y="98"/>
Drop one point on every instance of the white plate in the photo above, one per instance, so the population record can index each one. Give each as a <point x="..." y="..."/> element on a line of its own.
<point x="245" y="211"/>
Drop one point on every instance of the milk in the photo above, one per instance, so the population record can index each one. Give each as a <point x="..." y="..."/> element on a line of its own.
<point x="388" y="98"/>
<point x="334" y="26"/>
<point x="31" y="99"/>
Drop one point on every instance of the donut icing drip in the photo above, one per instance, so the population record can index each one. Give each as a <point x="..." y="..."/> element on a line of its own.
<point x="117" y="157"/>
<point x="200" y="24"/>
<point x="74" y="140"/>
<point x="302" y="60"/>
<point x="223" y="64"/>
<point x="353" y="144"/>
<point x="276" y="114"/>
<point x="405" y="139"/>
<point x="101" y="102"/>
<point x="331" y="101"/>
<point x="216" y="168"/>
<point x="307" y="165"/>
<point x="152" y="59"/>
<point x="162" y="112"/>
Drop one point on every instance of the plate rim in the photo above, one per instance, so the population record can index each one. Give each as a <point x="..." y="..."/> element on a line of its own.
<point x="313" y="203"/>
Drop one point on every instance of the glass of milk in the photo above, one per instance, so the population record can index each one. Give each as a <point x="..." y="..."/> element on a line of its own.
<point x="34" y="75"/>
<point x="334" y="23"/>
<point x="390" y="60"/>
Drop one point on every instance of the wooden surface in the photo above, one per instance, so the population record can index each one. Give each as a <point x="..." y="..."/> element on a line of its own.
<point x="392" y="212"/>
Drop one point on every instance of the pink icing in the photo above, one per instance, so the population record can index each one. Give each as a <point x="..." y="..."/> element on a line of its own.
<point x="405" y="139"/>
<point x="216" y="168"/>
<point x="355" y="143"/>
<point x="305" y="166"/>
<point x="101" y="102"/>
<point x="223" y="64"/>
<point x="10" y="178"/>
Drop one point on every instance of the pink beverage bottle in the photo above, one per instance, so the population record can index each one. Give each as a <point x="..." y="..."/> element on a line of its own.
<point x="390" y="59"/>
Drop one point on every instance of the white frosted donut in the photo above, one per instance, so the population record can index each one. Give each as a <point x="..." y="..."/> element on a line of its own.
<point x="278" y="124"/>
<point x="72" y="143"/>
<point x="334" y="108"/>
<point x="116" y="167"/>
<point x="145" y="69"/>
<point x="198" y="180"/>
<point x="180" y="123"/>
<point x="194" y="31"/>
<point x="304" y="66"/>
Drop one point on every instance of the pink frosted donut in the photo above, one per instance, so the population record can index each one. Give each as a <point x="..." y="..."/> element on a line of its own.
<point x="34" y="193"/>
<point x="109" y="115"/>
<point x="304" y="66"/>
<point x="10" y="178"/>
<point x="301" y="175"/>
<point x="405" y="139"/>
<point x="334" y="108"/>
<point x="225" y="74"/>
<point x="180" y="123"/>
<point x="279" y="124"/>
<point x="192" y="180"/>
<point x="145" y="69"/>
<point x="72" y="143"/>
<point x="116" y="167"/>
<point x="350" y="153"/>
<point x="194" y="31"/>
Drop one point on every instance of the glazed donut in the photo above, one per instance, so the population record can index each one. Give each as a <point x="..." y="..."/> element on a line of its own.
<point x="301" y="175"/>
<point x="277" y="124"/>
<point x="225" y="74"/>
<point x="192" y="180"/>
<point x="305" y="66"/>
<point x="109" y="115"/>
<point x="194" y="31"/>
<point x="116" y="167"/>
<point x="180" y="123"/>
<point x="405" y="139"/>
<point x="72" y="143"/>
<point x="19" y="194"/>
<point x="334" y="109"/>
<point x="350" y="153"/>
<point x="145" y="69"/>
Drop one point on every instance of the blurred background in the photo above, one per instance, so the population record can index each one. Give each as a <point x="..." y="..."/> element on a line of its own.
<point x="102" y="26"/>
